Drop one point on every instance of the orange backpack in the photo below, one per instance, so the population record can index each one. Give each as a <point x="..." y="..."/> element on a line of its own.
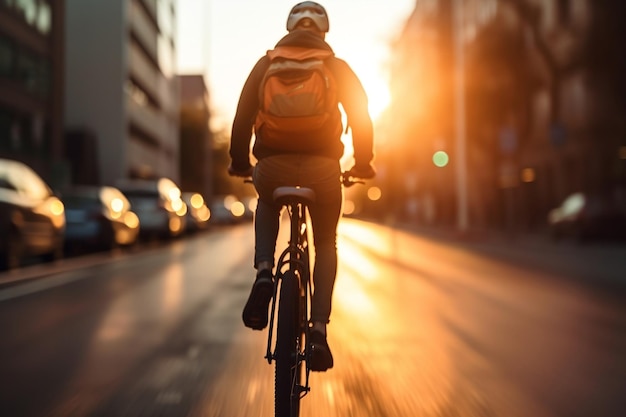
<point x="298" y="101"/>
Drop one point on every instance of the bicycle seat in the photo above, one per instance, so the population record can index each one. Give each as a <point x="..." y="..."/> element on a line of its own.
<point x="285" y="195"/>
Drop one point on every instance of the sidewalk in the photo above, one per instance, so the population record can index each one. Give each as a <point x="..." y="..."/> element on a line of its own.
<point x="600" y="265"/>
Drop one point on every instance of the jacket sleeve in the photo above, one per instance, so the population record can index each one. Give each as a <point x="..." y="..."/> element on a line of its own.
<point x="353" y="99"/>
<point x="243" y="123"/>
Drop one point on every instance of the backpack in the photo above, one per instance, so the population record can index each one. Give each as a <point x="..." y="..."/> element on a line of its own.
<point x="298" y="101"/>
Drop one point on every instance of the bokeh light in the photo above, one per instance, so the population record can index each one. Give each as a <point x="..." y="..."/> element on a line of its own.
<point x="348" y="207"/>
<point x="528" y="175"/>
<point x="374" y="193"/>
<point x="441" y="159"/>
<point x="238" y="209"/>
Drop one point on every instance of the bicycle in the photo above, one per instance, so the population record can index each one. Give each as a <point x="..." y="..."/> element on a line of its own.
<point x="290" y="304"/>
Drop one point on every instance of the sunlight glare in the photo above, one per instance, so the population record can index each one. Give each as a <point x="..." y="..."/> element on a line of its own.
<point x="378" y="95"/>
<point x="375" y="84"/>
<point x="368" y="237"/>
<point x="350" y="296"/>
<point x="355" y="260"/>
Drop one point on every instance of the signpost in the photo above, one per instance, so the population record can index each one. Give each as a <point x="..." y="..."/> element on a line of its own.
<point x="461" y="163"/>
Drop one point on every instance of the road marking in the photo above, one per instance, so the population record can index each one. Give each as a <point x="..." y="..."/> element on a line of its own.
<point x="169" y="397"/>
<point x="41" y="285"/>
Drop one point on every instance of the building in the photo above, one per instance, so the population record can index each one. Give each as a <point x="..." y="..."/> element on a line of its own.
<point x="121" y="87"/>
<point x="543" y="104"/>
<point x="31" y="86"/>
<point x="196" y="138"/>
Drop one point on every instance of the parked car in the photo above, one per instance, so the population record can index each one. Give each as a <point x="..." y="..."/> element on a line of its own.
<point x="584" y="216"/>
<point x="220" y="214"/>
<point x="158" y="204"/>
<point x="32" y="219"/>
<point x="98" y="217"/>
<point x="198" y="213"/>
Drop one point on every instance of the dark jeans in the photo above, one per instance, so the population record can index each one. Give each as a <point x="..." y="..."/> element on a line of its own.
<point x="322" y="175"/>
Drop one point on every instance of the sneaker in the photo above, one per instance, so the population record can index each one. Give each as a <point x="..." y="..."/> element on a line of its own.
<point x="255" y="311"/>
<point x="321" y="358"/>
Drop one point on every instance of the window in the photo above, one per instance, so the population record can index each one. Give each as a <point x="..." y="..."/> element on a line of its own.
<point x="563" y="11"/>
<point x="6" y="121"/>
<point x="28" y="9"/>
<point x="34" y="73"/>
<point x="136" y="93"/>
<point x="44" y="18"/>
<point x="7" y="57"/>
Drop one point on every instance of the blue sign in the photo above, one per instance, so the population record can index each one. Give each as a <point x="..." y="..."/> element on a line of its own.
<point x="558" y="134"/>
<point x="508" y="140"/>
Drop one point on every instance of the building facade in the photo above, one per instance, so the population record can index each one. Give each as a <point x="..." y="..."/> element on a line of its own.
<point x="121" y="91"/>
<point x="196" y="138"/>
<point x="542" y="99"/>
<point x="31" y="85"/>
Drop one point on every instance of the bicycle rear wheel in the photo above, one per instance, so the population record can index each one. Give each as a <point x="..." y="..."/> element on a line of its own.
<point x="288" y="336"/>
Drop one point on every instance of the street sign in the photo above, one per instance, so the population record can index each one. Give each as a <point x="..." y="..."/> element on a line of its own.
<point x="508" y="140"/>
<point x="558" y="134"/>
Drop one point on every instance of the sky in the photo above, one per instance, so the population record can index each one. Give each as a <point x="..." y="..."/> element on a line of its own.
<point x="223" y="39"/>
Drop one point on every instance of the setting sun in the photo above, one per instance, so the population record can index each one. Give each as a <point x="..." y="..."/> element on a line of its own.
<point x="377" y="94"/>
<point x="375" y="85"/>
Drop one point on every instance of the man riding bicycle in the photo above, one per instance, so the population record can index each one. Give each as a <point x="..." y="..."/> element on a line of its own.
<point x="298" y="149"/>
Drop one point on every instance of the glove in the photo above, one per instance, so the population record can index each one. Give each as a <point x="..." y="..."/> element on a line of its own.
<point x="362" y="171"/>
<point x="236" y="173"/>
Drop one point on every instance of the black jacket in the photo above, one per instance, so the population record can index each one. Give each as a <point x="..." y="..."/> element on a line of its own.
<point x="350" y="93"/>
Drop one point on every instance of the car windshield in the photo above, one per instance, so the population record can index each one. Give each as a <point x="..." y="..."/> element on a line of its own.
<point x="142" y="198"/>
<point x="79" y="201"/>
<point x="24" y="180"/>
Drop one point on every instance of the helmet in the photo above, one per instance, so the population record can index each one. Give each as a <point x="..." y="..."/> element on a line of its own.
<point x="308" y="10"/>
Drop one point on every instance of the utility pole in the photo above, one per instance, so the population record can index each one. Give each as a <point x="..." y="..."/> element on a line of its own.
<point x="459" y="107"/>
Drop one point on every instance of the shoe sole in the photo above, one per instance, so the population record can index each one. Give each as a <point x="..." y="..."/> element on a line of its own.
<point x="321" y="358"/>
<point x="258" y="303"/>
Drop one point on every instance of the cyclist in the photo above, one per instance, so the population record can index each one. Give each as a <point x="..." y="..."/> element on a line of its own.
<point x="317" y="168"/>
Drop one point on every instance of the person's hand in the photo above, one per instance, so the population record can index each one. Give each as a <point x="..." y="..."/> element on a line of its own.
<point x="235" y="173"/>
<point x="365" y="172"/>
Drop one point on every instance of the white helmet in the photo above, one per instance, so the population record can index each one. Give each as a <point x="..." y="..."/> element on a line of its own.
<point x="308" y="10"/>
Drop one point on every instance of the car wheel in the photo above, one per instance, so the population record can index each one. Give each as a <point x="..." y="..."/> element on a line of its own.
<point x="12" y="258"/>
<point x="580" y="236"/>
<point x="56" y="253"/>
<point x="110" y="239"/>
<point x="555" y="234"/>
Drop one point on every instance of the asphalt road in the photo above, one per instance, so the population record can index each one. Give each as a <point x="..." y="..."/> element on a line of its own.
<point x="422" y="325"/>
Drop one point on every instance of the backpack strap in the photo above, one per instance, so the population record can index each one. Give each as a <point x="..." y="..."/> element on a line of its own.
<point x="298" y="53"/>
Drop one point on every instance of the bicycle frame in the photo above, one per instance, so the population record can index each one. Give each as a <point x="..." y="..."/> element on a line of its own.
<point x="292" y="295"/>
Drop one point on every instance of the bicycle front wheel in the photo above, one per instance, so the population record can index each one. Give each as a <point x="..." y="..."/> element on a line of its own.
<point x="288" y="365"/>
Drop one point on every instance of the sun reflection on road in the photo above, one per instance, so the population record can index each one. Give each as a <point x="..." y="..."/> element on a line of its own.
<point x="359" y="262"/>
<point x="173" y="292"/>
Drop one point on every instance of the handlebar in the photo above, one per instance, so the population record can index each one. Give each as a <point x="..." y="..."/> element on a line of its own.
<point x="349" y="181"/>
<point x="346" y="180"/>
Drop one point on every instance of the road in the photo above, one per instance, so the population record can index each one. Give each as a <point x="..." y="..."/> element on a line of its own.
<point x="421" y="326"/>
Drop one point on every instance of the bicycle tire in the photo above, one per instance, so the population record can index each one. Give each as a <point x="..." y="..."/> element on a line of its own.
<point x="288" y="366"/>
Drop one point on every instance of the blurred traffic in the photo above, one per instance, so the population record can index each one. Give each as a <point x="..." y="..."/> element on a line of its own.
<point x="40" y="225"/>
<point x="32" y="218"/>
<point x="98" y="217"/>
<point x="585" y="217"/>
